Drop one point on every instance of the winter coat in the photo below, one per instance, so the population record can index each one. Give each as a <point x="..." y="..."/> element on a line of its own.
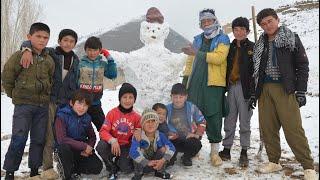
<point x="138" y="147"/>
<point x="91" y="74"/>
<point x="293" y="63"/>
<point x="62" y="90"/>
<point x="195" y="119"/>
<point x="74" y="130"/>
<point x="29" y="85"/>
<point x="216" y="59"/>
<point x="119" y="126"/>
<point x="245" y="64"/>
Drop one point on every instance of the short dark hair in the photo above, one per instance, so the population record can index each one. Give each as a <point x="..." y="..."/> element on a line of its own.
<point x="93" y="43"/>
<point x="68" y="32"/>
<point x="38" y="26"/>
<point x="80" y="95"/>
<point x="241" y="22"/>
<point x="178" y="89"/>
<point x="159" y="105"/>
<point x="265" y="13"/>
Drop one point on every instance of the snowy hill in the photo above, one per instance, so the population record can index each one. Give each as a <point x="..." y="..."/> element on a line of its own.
<point x="305" y="22"/>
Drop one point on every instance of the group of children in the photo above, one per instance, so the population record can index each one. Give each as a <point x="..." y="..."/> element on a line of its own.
<point x="57" y="96"/>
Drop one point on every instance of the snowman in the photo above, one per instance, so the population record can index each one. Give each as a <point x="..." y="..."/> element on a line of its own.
<point x="153" y="69"/>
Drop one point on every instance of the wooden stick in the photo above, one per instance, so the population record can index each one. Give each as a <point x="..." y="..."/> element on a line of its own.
<point x="254" y="23"/>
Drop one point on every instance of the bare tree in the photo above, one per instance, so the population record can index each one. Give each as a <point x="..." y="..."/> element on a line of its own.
<point x="16" y="19"/>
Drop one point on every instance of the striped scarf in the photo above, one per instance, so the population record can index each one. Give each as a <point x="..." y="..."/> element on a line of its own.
<point x="284" y="38"/>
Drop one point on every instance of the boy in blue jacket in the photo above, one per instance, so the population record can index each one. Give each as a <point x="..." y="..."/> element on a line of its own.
<point x="153" y="150"/>
<point x="186" y="125"/>
<point x="75" y="139"/>
<point x="92" y="69"/>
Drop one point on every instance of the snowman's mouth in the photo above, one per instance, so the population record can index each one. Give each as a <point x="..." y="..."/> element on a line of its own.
<point x="153" y="37"/>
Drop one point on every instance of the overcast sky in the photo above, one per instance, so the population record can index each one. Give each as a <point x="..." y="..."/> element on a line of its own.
<point x="86" y="17"/>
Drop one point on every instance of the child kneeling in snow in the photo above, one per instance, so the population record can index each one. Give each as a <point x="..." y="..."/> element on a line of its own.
<point x="75" y="139"/>
<point x="153" y="150"/>
<point x="116" y="133"/>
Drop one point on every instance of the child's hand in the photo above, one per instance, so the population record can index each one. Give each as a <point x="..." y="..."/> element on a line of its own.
<point x="152" y="163"/>
<point x="26" y="59"/>
<point x="159" y="164"/>
<point x="104" y="52"/>
<point x="137" y="134"/>
<point x="88" y="150"/>
<point x="172" y="136"/>
<point x="115" y="149"/>
<point x="83" y="153"/>
<point x="191" y="135"/>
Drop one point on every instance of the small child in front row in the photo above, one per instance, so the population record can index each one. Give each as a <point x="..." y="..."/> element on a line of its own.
<point x="116" y="133"/>
<point x="75" y="139"/>
<point x="162" y="111"/>
<point x="153" y="151"/>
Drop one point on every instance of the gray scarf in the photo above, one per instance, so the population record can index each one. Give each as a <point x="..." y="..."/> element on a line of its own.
<point x="284" y="38"/>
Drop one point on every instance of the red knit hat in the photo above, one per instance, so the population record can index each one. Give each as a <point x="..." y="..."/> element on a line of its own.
<point x="154" y="15"/>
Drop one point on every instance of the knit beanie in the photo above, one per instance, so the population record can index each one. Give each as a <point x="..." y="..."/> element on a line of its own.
<point x="240" y="22"/>
<point x="68" y="32"/>
<point x="127" y="88"/>
<point x="149" y="114"/>
<point x="154" y="15"/>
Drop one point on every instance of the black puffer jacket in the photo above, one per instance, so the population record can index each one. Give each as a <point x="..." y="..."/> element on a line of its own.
<point x="245" y="66"/>
<point x="293" y="66"/>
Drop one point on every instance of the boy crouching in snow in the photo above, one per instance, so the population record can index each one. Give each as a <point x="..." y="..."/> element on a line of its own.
<point x="153" y="150"/>
<point x="76" y="139"/>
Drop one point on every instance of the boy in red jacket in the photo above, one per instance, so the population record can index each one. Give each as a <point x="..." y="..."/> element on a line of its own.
<point x="116" y="133"/>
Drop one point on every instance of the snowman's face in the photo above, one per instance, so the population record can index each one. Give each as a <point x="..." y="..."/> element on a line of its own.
<point x="153" y="32"/>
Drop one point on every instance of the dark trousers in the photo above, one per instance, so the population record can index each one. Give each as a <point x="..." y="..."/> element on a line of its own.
<point x="73" y="162"/>
<point x="140" y="169"/>
<point x="113" y="163"/>
<point x="97" y="115"/>
<point x="190" y="147"/>
<point x="27" y="118"/>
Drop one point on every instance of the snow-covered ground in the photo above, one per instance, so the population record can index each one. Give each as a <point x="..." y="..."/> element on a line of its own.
<point x="306" y="24"/>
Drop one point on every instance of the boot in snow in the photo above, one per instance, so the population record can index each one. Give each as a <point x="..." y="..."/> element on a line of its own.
<point x="243" y="160"/>
<point x="310" y="174"/>
<point x="214" y="156"/>
<point x="269" y="167"/>
<point x="49" y="174"/>
<point x="225" y="154"/>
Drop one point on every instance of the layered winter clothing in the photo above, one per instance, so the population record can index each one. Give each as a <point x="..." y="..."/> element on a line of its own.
<point x="240" y="86"/>
<point x="73" y="134"/>
<point x="138" y="148"/>
<point x="30" y="92"/>
<point x="29" y="86"/>
<point x="273" y="96"/>
<point x="206" y="84"/>
<point x="91" y="74"/>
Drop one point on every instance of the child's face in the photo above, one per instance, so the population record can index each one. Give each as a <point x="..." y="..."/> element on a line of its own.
<point x="178" y="100"/>
<point x="67" y="43"/>
<point x="127" y="100"/>
<point x="39" y="40"/>
<point x="162" y="113"/>
<point x="92" y="53"/>
<point x="270" y="25"/>
<point x="80" y="107"/>
<point x="150" y="126"/>
<point x="240" y="33"/>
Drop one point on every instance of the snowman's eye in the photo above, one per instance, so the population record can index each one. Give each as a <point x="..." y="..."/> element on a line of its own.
<point x="148" y="28"/>
<point x="158" y="28"/>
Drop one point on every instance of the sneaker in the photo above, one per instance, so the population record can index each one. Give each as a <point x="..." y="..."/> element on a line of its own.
<point x="163" y="175"/>
<point x="216" y="160"/>
<point x="75" y="176"/>
<point x="9" y="176"/>
<point x="269" y="167"/>
<point x="113" y="176"/>
<point x="310" y="174"/>
<point x="49" y="174"/>
<point x="59" y="165"/>
<point x="243" y="160"/>
<point x="225" y="154"/>
<point x="187" y="162"/>
<point x="137" y="177"/>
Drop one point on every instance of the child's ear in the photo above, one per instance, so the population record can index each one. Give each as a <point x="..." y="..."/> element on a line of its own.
<point x="29" y="36"/>
<point x="70" y="103"/>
